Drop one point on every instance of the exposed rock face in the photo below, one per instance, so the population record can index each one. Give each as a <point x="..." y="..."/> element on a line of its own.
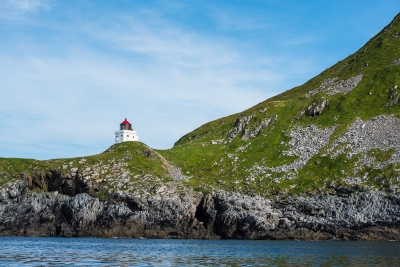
<point x="364" y="215"/>
<point x="52" y="214"/>
<point x="252" y="133"/>
<point x="334" y="86"/>
<point x="380" y="132"/>
<point x="241" y="126"/>
<point x="346" y="214"/>
<point x="316" y="108"/>
<point x="305" y="143"/>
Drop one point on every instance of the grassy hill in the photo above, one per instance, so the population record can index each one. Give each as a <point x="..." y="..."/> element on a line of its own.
<point x="228" y="162"/>
<point x="282" y="145"/>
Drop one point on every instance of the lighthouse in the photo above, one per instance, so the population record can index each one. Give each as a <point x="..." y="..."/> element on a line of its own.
<point x="125" y="133"/>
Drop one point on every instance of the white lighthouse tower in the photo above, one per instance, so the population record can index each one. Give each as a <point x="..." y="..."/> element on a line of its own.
<point x="125" y="133"/>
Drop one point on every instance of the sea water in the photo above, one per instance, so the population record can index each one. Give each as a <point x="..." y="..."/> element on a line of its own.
<point x="31" y="251"/>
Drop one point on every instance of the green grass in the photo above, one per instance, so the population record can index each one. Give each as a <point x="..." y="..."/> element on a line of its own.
<point x="134" y="158"/>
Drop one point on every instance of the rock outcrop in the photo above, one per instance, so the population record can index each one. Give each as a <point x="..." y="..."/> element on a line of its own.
<point x="348" y="213"/>
<point x="241" y="126"/>
<point x="305" y="143"/>
<point x="316" y="108"/>
<point x="334" y="86"/>
<point x="28" y="213"/>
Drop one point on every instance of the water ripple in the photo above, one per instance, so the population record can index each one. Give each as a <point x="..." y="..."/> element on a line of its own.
<point x="23" y="251"/>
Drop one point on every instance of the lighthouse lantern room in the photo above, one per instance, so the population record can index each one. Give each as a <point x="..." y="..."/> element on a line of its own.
<point x="125" y="133"/>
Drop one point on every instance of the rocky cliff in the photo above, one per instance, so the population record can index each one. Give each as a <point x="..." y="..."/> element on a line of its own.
<point x="320" y="161"/>
<point x="350" y="214"/>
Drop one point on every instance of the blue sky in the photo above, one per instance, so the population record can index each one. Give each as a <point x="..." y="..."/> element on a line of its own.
<point x="71" y="71"/>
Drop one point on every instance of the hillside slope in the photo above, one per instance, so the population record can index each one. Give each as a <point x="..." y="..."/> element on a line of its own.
<point x="320" y="161"/>
<point x="341" y="126"/>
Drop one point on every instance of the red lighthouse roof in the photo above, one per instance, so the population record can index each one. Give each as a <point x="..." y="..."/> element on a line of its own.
<point x="125" y="122"/>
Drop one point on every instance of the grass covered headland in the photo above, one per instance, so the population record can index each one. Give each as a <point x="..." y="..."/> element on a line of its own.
<point x="342" y="127"/>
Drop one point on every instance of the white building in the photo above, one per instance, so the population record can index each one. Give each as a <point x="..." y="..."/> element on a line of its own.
<point x="125" y="133"/>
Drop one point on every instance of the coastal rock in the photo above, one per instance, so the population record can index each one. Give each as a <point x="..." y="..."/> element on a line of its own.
<point x="356" y="216"/>
<point x="52" y="214"/>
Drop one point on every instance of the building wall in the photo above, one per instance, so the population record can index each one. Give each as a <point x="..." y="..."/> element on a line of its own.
<point x="125" y="135"/>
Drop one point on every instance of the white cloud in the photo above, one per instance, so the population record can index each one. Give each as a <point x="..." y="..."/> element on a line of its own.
<point x="25" y="5"/>
<point x="16" y="10"/>
<point x="165" y="79"/>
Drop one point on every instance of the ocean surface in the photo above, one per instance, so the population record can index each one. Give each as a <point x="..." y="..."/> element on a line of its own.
<point x="32" y="251"/>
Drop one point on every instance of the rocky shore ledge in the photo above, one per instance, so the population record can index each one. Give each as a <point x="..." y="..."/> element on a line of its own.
<point x="347" y="214"/>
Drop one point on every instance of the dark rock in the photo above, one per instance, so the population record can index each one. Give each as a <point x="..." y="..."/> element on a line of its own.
<point x="358" y="216"/>
<point x="316" y="108"/>
<point x="148" y="153"/>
